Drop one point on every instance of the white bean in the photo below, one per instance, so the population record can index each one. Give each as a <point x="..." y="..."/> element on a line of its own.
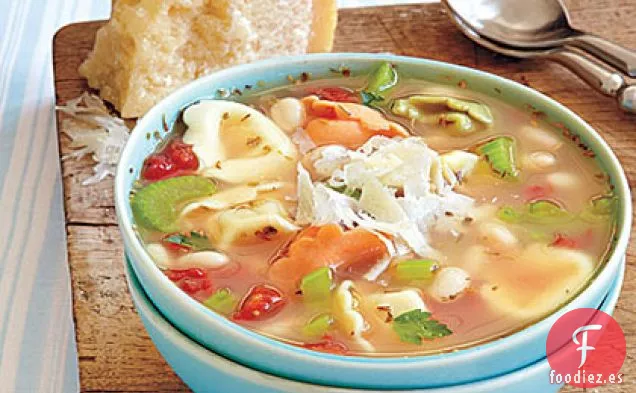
<point x="288" y="114"/>
<point x="540" y="161"/>
<point x="202" y="259"/>
<point x="449" y="283"/>
<point x="159" y="255"/>
<point x="563" y="180"/>
<point x="546" y="139"/>
<point x="497" y="236"/>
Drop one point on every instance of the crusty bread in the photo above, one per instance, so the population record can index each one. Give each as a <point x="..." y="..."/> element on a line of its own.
<point x="151" y="47"/>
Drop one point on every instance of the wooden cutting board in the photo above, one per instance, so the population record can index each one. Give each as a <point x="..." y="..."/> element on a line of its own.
<point x="115" y="353"/>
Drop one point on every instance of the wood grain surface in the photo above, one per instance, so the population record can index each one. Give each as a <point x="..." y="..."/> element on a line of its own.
<point x="115" y="353"/>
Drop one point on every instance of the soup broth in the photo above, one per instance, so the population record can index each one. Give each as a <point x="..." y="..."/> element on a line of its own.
<point x="375" y="215"/>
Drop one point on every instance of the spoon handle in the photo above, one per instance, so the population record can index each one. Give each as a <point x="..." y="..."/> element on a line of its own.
<point x="600" y="76"/>
<point x="621" y="58"/>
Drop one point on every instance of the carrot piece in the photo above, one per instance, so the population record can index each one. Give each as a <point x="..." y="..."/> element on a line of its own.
<point x="329" y="245"/>
<point x="347" y="133"/>
<point x="345" y="123"/>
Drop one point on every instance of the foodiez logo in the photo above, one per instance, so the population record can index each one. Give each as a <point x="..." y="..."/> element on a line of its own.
<point x="586" y="348"/>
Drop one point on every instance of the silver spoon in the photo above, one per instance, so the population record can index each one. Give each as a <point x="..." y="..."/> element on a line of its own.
<point x="598" y="75"/>
<point x="536" y="24"/>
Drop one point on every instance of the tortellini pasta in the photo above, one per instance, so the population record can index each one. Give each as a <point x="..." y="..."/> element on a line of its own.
<point x="231" y="197"/>
<point x="349" y="318"/>
<point x="461" y="114"/>
<point x="397" y="303"/>
<point x="248" y="221"/>
<point x="553" y="275"/>
<point x="236" y="143"/>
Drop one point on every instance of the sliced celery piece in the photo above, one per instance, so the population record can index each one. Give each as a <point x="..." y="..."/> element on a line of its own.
<point x="156" y="206"/>
<point x="317" y="284"/>
<point x="383" y="78"/>
<point x="600" y="208"/>
<point x="416" y="269"/>
<point x="509" y="214"/>
<point x="501" y="155"/>
<point x="546" y="212"/>
<point x="318" y="326"/>
<point x="222" y="301"/>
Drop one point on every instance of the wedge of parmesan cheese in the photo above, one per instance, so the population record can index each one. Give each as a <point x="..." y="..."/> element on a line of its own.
<point x="149" y="48"/>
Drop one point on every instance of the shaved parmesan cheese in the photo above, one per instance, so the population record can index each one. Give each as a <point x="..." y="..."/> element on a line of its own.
<point x="377" y="200"/>
<point x="324" y="160"/>
<point x="95" y="132"/>
<point x="305" y="207"/>
<point x="379" y="168"/>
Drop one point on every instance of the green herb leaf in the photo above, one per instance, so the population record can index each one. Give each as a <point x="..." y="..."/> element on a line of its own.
<point x="222" y="301"/>
<point x="370" y="99"/>
<point x="195" y="242"/>
<point x="354" y="193"/>
<point x="416" y="325"/>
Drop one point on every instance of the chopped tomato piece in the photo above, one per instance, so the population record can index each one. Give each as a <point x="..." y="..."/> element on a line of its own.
<point x="328" y="345"/>
<point x="330" y="246"/>
<point x="191" y="285"/>
<point x="175" y="159"/>
<point x="564" y="241"/>
<point x="157" y="167"/>
<point x="574" y="242"/>
<point x="191" y="280"/>
<point x="337" y="94"/>
<point x="537" y="191"/>
<point x="261" y="302"/>
<point x="182" y="155"/>
<point x="176" y="275"/>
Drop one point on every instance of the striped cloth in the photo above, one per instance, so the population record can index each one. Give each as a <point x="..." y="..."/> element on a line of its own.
<point x="37" y="346"/>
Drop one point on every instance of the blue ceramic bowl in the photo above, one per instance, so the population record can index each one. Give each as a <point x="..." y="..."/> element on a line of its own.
<point x="273" y="357"/>
<point x="200" y="368"/>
